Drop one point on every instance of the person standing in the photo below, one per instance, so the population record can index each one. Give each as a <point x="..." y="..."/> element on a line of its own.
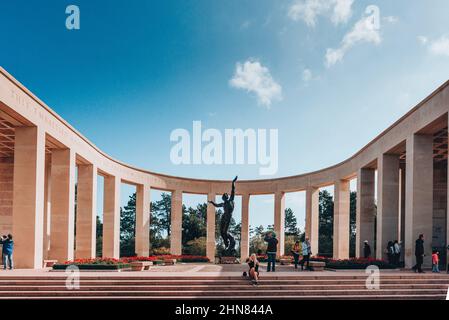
<point x="397" y="252"/>
<point x="295" y="253"/>
<point x="272" y="243"/>
<point x="390" y="252"/>
<point x="8" y="248"/>
<point x="419" y="254"/>
<point x="435" y="262"/>
<point x="366" y="250"/>
<point x="306" y="254"/>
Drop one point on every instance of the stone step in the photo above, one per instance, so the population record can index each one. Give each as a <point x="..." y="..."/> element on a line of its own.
<point x="267" y="276"/>
<point x="119" y="282"/>
<point x="241" y="287"/>
<point x="221" y="298"/>
<point x="181" y="280"/>
<point x="256" y="292"/>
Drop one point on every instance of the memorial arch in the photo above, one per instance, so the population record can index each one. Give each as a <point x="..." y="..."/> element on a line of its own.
<point x="39" y="152"/>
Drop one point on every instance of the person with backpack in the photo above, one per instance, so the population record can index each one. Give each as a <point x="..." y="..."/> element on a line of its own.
<point x="272" y="243"/>
<point x="8" y="248"/>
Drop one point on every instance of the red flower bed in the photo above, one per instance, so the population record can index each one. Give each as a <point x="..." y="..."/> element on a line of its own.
<point x="182" y="258"/>
<point x="94" y="261"/>
<point x="125" y="260"/>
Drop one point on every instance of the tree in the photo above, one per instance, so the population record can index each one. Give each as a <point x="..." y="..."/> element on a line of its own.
<point x="291" y="224"/>
<point x="352" y="217"/>
<point x="326" y="228"/>
<point x="161" y="216"/>
<point x="256" y="243"/>
<point x="194" y="223"/>
<point x="99" y="237"/>
<point x="128" y="227"/>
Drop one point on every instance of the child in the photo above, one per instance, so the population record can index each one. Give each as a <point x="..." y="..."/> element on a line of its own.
<point x="435" y="261"/>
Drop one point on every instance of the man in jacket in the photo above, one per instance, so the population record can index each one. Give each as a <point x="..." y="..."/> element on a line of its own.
<point x="366" y="250"/>
<point x="8" y="247"/>
<point x="272" y="243"/>
<point x="419" y="254"/>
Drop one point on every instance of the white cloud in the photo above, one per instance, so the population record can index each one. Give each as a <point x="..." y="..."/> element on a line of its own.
<point x="391" y="19"/>
<point x="363" y="31"/>
<point x="423" y="40"/>
<point x="309" y="10"/>
<point x="440" y="47"/>
<point x="307" y="75"/>
<point x="253" y="77"/>
<point x="342" y="11"/>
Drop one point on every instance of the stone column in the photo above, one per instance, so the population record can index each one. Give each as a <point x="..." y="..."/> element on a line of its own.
<point x="313" y="218"/>
<point x="111" y="217"/>
<point x="341" y="220"/>
<point x="176" y="223"/>
<point x="28" y="195"/>
<point x="279" y="220"/>
<point x="86" y="212"/>
<point x="210" y="242"/>
<point x="402" y="198"/>
<point x="387" y="202"/>
<point x="47" y="207"/>
<point x="143" y="220"/>
<point x="62" y="235"/>
<point x="244" y="234"/>
<point x="366" y="210"/>
<point x="419" y="196"/>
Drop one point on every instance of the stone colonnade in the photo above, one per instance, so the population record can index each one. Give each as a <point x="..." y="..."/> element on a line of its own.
<point x="47" y="151"/>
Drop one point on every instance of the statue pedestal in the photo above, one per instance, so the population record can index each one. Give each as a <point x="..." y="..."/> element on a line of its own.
<point x="229" y="260"/>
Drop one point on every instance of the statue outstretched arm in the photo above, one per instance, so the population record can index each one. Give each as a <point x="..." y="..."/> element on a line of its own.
<point x="216" y="205"/>
<point x="233" y="189"/>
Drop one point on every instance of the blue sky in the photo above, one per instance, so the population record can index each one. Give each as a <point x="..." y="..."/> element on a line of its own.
<point x="137" y="70"/>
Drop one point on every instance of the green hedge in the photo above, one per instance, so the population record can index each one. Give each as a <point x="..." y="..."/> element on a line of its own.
<point x="354" y="264"/>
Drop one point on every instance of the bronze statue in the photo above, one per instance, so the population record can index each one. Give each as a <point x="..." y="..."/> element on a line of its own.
<point x="228" y="208"/>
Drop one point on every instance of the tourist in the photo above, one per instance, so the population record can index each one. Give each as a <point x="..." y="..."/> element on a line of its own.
<point x="253" y="264"/>
<point x="270" y="239"/>
<point x="435" y="261"/>
<point x="296" y="253"/>
<point x="419" y="254"/>
<point x="366" y="250"/>
<point x="397" y="252"/>
<point x="390" y="252"/>
<point x="306" y="252"/>
<point x="8" y="247"/>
